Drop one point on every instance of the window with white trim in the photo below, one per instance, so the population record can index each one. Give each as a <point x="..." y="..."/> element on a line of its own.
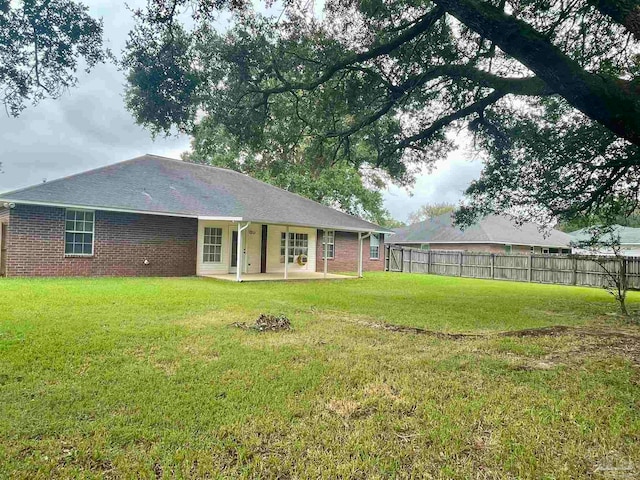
<point x="79" y="232"/>
<point x="212" y="245"/>
<point x="374" y="246"/>
<point x="298" y="245"/>
<point x="331" y="239"/>
<point x="508" y="249"/>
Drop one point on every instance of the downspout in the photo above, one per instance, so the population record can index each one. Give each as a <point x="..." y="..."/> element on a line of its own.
<point x="360" y="240"/>
<point x="239" y="251"/>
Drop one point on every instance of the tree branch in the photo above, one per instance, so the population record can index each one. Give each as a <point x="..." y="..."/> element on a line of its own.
<point x="624" y="12"/>
<point x="383" y="49"/>
<point x="606" y="100"/>
<point x="442" y="122"/>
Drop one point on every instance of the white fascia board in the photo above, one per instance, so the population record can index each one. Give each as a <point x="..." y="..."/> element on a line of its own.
<point x="220" y="219"/>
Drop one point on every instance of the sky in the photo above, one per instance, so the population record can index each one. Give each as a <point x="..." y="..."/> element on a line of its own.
<point x="89" y="127"/>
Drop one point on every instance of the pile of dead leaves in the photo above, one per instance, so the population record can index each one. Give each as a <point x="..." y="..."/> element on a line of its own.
<point x="267" y="323"/>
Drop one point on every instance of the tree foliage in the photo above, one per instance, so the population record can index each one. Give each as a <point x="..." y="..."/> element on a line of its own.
<point x="548" y="88"/>
<point x="42" y="45"/>
<point x="425" y="212"/>
<point x="340" y="186"/>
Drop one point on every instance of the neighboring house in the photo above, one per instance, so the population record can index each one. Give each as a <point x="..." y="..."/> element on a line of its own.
<point x="493" y="234"/>
<point x="154" y="216"/>
<point x="629" y="241"/>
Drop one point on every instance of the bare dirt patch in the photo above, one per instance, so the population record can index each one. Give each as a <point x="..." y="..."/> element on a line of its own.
<point x="267" y="323"/>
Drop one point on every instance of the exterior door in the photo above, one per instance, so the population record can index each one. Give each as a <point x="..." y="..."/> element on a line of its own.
<point x="234" y="252"/>
<point x="3" y="250"/>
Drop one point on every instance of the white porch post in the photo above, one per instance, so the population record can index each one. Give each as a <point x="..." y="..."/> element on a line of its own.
<point x="286" y="252"/>
<point x="326" y="249"/>
<point x="360" y="240"/>
<point x="239" y="251"/>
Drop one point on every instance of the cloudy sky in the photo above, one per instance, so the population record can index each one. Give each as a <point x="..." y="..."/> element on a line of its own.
<point x="89" y="127"/>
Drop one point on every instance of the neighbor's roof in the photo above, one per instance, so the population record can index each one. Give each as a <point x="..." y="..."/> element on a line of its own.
<point x="159" y="185"/>
<point x="628" y="235"/>
<point x="491" y="229"/>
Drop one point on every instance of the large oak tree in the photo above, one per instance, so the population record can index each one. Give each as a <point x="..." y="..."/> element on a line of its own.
<point x="548" y="88"/>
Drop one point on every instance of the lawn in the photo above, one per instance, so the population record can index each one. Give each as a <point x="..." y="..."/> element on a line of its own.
<point x="147" y="378"/>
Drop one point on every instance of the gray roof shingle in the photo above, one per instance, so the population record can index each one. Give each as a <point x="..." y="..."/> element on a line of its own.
<point x="628" y="235"/>
<point x="162" y="185"/>
<point x="491" y="229"/>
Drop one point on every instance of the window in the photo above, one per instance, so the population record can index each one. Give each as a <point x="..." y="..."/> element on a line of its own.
<point x="78" y="232"/>
<point x="331" y="238"/>
<point x="212" y="245"/>
<point x="545" y="251"/>
<point x="508" y="248"/>
<point x="374" y="246"/>
<point x="298" y="245"/>
<point x="425" y="246"/>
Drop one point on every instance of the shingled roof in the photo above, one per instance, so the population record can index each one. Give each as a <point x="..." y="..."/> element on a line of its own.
<point x="159" y="185"/>
<point x="628" y="235"/>
<point x="491" y="229"/>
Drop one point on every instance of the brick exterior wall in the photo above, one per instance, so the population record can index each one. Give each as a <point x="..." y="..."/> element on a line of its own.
<point x="122" y="242"/>
<point x="346" y="254"/>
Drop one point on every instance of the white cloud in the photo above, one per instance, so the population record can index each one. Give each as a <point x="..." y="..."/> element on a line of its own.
<point x="445" y="184"/>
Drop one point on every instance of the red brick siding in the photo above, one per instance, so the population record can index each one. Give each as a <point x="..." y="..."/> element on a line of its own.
<point x="4" y="219"/>
<point x="122" y="242"/>
<point x="346" y="254"/>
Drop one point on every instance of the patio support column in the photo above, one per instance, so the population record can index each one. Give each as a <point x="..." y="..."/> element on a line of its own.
<point x="360" y="240"/>
<point x="286" y="253"/>
<point x="326" y="248"/>
<point x="239" y="250"/>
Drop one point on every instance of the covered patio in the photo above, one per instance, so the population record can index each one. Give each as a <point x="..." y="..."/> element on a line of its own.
<point x="273" y="277"/>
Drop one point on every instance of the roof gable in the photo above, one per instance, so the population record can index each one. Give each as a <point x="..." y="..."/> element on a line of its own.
<point x="160" y="185"/>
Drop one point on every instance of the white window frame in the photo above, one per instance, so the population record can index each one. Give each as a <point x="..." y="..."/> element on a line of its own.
<point x="545" y="251"/>
<point x="205" y="244"/>
<point x="78" y="232"/>
<point x="296" y="246"/>
<point x="331" y="244"/>
<point x="376" y="246"/>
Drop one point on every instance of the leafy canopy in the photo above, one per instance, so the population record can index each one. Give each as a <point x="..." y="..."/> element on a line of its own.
<point x="548" y="88"/>
<point x="287" y="167"/>
<point x="425" y="212"/>
<point x="42" y="45"/>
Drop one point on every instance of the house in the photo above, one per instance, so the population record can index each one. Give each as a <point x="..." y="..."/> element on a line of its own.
<point x="492" y="234"/>
<point x="629" y="238"/>
<point x="155" y="216"/>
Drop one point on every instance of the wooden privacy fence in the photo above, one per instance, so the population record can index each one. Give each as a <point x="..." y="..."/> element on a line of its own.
<point x="557" y="269"/>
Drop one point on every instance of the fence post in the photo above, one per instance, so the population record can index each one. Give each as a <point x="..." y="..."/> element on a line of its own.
<point x="428" y="261"/>
<point x="493" y="263"/>
<point x="574" y="276"/>
<point x="530" y="272"/>
<point x="402" y="259"/>
<point x="460" y="266"/>
<point x="387" y="254"/>
<point x="411" y="260"/>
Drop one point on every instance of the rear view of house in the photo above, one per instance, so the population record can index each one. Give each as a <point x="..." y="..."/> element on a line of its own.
<point x="153" y="216"/>
<point x="492" y="234"/>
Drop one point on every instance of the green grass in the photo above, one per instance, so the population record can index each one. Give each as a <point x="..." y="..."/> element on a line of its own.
<point x="146" y="378"/>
